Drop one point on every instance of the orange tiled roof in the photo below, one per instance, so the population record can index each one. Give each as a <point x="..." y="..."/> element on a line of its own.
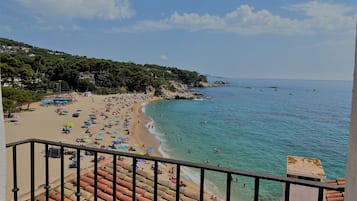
<point x="332" y="195"/>
<point x="144" y="186"/>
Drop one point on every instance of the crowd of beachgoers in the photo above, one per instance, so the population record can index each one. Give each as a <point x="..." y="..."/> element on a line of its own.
<point x="113" y="122"/>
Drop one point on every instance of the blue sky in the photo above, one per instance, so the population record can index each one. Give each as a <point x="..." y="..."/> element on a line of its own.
<point x="232" y="38"/>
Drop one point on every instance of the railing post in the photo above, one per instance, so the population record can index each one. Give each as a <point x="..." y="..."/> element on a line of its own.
<point x="202" y="184"/>
<point x="78" y="166"/>
<point x="134" y="179"/>
<point x="14" y="162"/>
<point x="287" y="191"/>
<point x="229" y="182"/>
<point x="155" y="179"/>
<point x="256" y="189"/>
<point x="62" y="173"/>
<point x="47" y="187"/>
<point x="32" y="145"/>
<point x="321" y="194"/>
<point x="178" y="170"/>
<point x="96" y="176"/>
<point x="114" y="177"/>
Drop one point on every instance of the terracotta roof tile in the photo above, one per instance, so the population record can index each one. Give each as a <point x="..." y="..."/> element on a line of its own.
<point x="332" y="195"/>
<point x="144" y="186"/>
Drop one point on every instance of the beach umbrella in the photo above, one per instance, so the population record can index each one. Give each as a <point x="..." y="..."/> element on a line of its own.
<point x="78" y="111"/>
<point x="65" y="111"/>
<point x="121" y="138"/>
<point x="75" y="159"/>
<point x="116" y="132"/>
<point x="137" y="166"/>
<point x="87" y="123"/>
<point x="99" y="137"/>
<point x="69" y="124"/>
<point x="115" y="142"/>
<point x="59" y="109"/>
<point x="149" y="150"/>
<point x="123" y="147"/>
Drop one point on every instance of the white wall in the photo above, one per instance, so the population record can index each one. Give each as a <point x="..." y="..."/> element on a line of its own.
<point x="351" y="174"/>
<point x="2" y="153"/>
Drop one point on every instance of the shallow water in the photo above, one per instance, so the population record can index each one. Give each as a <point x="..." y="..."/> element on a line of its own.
<point x="256" y="124"/>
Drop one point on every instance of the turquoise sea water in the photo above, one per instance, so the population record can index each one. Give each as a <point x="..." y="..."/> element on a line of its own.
<point x="255" y="127"/>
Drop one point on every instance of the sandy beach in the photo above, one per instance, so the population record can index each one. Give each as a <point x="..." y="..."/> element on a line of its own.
<point x="117" y="117"/>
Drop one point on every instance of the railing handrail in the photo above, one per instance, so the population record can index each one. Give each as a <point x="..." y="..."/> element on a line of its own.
<point x="265" y="176"/>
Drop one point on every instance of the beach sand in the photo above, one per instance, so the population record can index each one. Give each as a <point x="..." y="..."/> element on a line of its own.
<point x="43" y="122"/>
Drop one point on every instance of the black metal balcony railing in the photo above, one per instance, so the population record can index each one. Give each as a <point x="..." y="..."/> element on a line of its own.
<point x="229" y="172"/>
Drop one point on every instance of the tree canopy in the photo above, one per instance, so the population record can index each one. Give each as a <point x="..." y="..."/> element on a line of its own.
<point x="42" y="70"/>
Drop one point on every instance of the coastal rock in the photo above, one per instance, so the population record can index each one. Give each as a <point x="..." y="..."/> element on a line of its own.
<point x="214" y="84"/>
<point x="220" y="82"/>
<point x="179" y="91"/>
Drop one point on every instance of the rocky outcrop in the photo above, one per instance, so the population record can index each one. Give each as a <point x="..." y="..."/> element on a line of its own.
<point x="214" y="84"/>
<point x="176" y="90"/>
<point x="179" y="91"/>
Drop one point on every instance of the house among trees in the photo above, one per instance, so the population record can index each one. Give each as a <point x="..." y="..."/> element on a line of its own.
<point x="87" y="76"/>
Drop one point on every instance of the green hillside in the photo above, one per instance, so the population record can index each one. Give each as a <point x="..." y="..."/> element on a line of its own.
<point x="37" y="69"/>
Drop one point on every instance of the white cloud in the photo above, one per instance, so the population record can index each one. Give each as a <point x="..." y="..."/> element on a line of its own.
<point x="326" y="16"/>
<point x="163" y="57"/>
<point x="193" y="21"/>
<point x="87" y="9"/>
<point x="317" y="17"/>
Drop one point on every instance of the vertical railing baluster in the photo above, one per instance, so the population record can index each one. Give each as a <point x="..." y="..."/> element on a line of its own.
<point x="114" y="177"/>
<point x="229" y="183"/>
<point x="155" y="179"/>
<point x="256" y="189"/>
<point x="47" y="187"/>
<point x="178" y="167"/>
<point x="78" y="166"/>
<point x="321" y="194"/>
<point x="14" y="163"/>
<point x="134" y="179"/>
<point x="95" y="175"/>
<point x="62" y="173"/>
<point x="202" y="184"/>
<point x="32" y="145"/>
<point x="287" y="191"/>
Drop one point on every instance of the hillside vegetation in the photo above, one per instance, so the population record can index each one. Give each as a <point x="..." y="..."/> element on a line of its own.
<point x="28" y="73"/>
<point x="27" y="67"/>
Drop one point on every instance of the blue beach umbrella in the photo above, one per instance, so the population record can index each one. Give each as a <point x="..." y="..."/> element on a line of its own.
<point x="137" y="166"/>
<point x="121" y="138"/>
<point x="116" y="132"/>
<point x="115" y="142"/>
<point x="149" y="150"/>
<point x="123" y="147"/>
